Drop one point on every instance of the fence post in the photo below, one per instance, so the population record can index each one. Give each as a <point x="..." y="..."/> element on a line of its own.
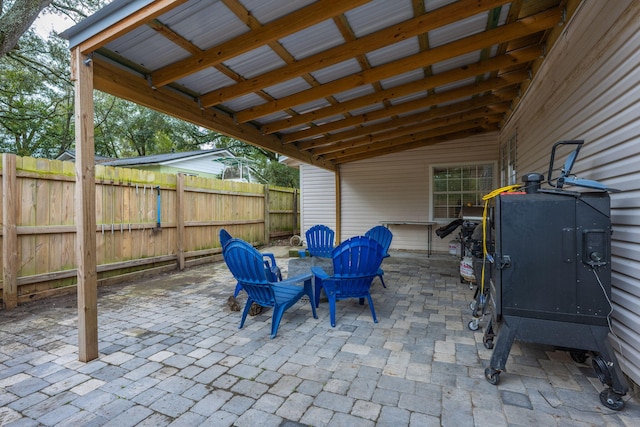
<point x="267" y="219"/>
<point x="9" y="232"/>
<point x="295" y="212"/>
<point x="180" y="219"/>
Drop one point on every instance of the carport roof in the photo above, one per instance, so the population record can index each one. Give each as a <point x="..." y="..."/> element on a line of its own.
<point x="325" y="82"/>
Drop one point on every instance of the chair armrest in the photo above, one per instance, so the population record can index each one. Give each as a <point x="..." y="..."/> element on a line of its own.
<point x="296" y="279"/>
<point x="270" y="256"/>
<point x="319" y="272"/>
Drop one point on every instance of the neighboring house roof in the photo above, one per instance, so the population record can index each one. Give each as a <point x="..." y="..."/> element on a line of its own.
<point x="70" y="156"/>
<point x="196" y="162"/>
<point x="168" y="158"/>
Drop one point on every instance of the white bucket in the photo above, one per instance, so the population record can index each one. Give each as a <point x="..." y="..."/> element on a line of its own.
<point x="454" y="247"/>
<point x="466" y="269"/>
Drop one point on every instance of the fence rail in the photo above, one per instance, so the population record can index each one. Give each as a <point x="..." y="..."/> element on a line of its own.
<point x="147" y="223"/>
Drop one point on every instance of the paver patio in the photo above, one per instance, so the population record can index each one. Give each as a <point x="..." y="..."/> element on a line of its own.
<point x="171" y="353"/>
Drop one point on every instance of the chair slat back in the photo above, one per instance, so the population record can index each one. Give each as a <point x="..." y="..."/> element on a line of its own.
<point x="224" y="237"/>
<point x="381" y="235"/>
<point x="355" y="265"/>
<point x="320" y="240"/>
<point x="357" y="256"/>
<point x="247" y="266"/>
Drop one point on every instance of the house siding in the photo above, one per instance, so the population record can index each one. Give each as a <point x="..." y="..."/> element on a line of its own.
<point x="397" y="187"/>
<point x="589" y="88"/>
<point x="317" y="198"/>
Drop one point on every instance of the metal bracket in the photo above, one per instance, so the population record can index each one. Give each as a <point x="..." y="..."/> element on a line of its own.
<point x="503" y="262"/>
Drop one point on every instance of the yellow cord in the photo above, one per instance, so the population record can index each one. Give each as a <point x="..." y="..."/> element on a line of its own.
<point x="486" y="199"/>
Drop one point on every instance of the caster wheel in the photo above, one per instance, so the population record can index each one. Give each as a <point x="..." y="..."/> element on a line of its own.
<point x="611" y="399"/>
<point x="492" y="376"/>
<point x="578" y="356"/>
<point x="472" y="306"/>
<point x="488" y="344"/>
<point x="473" y="325"/>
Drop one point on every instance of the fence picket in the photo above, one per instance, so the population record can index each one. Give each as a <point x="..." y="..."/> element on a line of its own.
<point x="127" y="238"/>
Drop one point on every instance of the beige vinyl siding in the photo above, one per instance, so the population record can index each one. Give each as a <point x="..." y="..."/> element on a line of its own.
<point x="589" y="89"/>
<point x="317" y="197"/>
<point x="397" y="187"/>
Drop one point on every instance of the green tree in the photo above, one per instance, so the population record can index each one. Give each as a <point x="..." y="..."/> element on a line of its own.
<point x="15" y="19"/>
<point x="37" y="112"/>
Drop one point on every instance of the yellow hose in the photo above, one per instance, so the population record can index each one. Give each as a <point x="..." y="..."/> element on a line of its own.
<point x="486" y="199"/>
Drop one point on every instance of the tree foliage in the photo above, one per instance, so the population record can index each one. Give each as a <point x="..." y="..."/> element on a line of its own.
<point x="37" y="111"/>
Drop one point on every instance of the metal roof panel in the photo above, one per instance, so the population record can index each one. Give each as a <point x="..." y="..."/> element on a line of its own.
<point x="356" y="92"/>
<point x="394" y="52"/>
<point x="288" y="87"/>
<point x="378" y="14"/>
<point x="334" y="72"/>
<point x="243" y="102"/>
<point x="311" y="106"/>
<point x="404" y="78"/>
<point x="146" y="47"/>
<point x="458" y="30"/>
<point x="205" y="24"/>
<point x="312" y="40"/>
<point x="255" y="62"/>
<point x="206" y="80"/>
<point x="267" y="11"/>
<point x="457" y="62"/>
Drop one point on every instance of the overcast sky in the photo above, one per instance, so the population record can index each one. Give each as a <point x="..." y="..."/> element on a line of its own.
<point x="45" y="23"/>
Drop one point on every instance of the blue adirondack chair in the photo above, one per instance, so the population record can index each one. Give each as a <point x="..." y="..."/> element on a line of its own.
<point x="269" y="262"/>
<point x="355" y="264"/>
<point x="247" y="266"/>
<point x="383" y="236"/>
<point x="320" y="240"/>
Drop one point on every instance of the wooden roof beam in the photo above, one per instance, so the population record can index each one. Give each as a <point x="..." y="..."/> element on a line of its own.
<point x="282" y="27"/>
<point x="442" y="138"/>
<point x="115" y="81"/>
<point x="134" y="20"/>
<point x="414" y="137"/>
<point x="398" y="132"/>
<point x="500" y="82"/>
<point x="428" y="83"/>
<point x="394" y="34"/>
<point x="488" y="102"/>
<point x="521" y="28"/>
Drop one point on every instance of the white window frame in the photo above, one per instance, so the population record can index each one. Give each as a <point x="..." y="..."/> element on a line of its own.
<point x="508" y="158"/>
<point x="432" y="193"/>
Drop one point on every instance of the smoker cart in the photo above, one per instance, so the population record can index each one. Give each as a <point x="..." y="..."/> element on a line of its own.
<point x="551" y="278"/>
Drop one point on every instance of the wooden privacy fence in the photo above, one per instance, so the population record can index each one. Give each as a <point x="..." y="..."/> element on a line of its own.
<point x="147" y="223"/>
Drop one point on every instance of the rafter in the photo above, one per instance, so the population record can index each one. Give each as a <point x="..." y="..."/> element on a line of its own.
<point x="446" y="136"/>
<point x="488" y="102"/>
<point x="429" y="101"/>
<point x="414" y="137"/>
<point x="401" y="131"/>
<point x="410" y="28"/>
<point x="282" y="27"/>
<point x="130" y="22"/>
<point x="499" y="63"/>
<point x="115" y="81"/>
<point x="523" y="27"/>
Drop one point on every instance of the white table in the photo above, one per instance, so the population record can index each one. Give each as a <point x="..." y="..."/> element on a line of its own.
<point x="428" y="224"/>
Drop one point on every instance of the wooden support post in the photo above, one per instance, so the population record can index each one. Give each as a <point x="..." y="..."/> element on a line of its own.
<point x="9" y="232"/>
<point x="294" y="229"/>
<point x="180" y="220"/>
<point x="85" y="207"/>
<point x="267" y="219"/>
<point x="338" y="206"/>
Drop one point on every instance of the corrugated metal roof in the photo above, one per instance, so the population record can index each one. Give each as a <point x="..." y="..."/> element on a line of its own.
<point x="277" y="73"/>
